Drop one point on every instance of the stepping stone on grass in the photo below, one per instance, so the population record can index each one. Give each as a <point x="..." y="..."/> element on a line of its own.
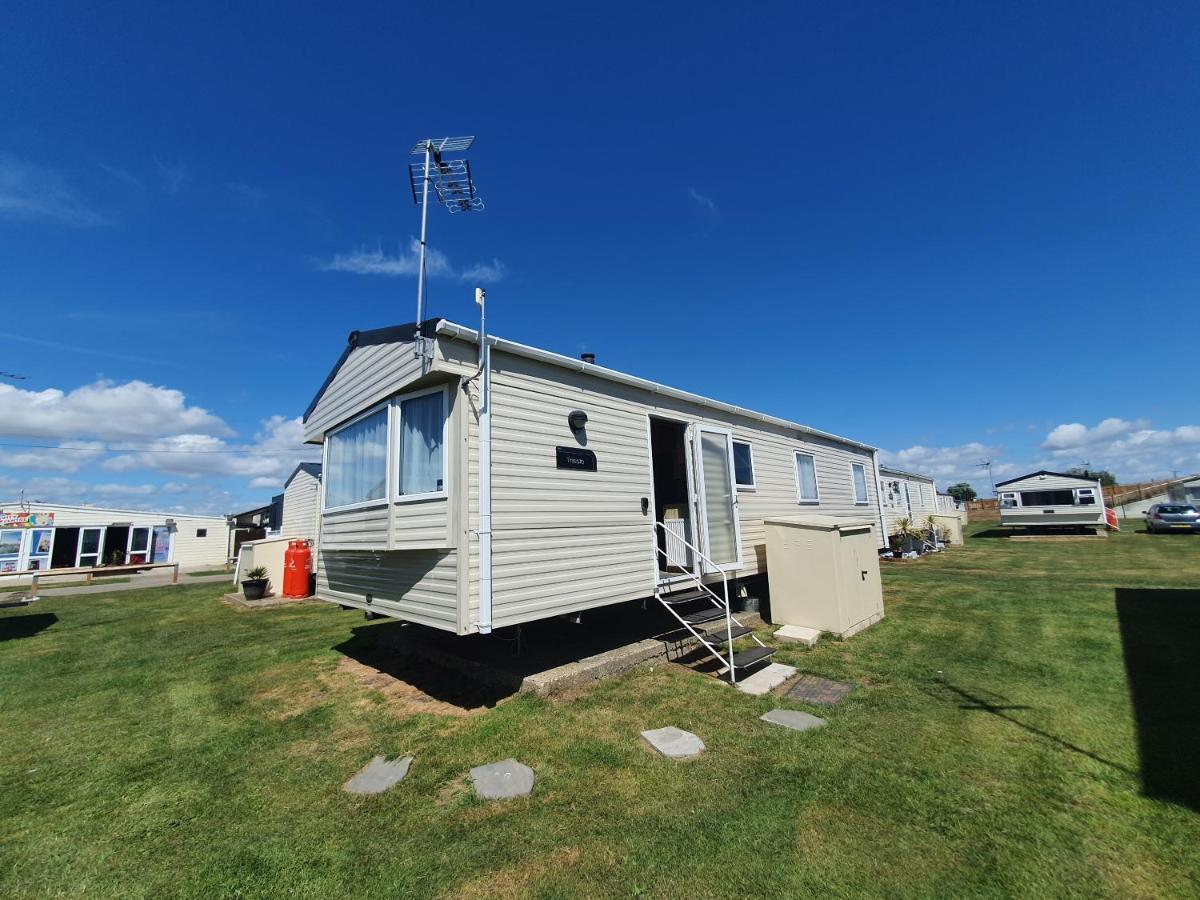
<point x="507" y="778"/>
<point x="674" y="743"/>
<point x="798" y="634"/>
<point x="378" y="775"/>
<point x="794" y="719"/>
<point x="765" y="680"/>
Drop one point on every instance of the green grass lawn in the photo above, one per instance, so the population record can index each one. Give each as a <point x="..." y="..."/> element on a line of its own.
<point x="211" y="572"/>
<point x="159" y="743"/>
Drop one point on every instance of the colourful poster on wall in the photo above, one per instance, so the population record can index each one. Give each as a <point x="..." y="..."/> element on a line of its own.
<point x="26" y="520"/>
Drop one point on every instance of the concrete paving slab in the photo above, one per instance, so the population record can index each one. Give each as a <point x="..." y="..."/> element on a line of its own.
<point x="818" y="690"/>
<point x="766" y="679"/>
<point x="507" y="778"/>
<point x="674" y="743"/>
<point x="799" y="634"/>
<point x="378" y="775"/>
<point x="793" y="718"/>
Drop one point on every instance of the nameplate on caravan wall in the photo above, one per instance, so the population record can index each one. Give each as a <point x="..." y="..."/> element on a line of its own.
<point x="575" y="458"/>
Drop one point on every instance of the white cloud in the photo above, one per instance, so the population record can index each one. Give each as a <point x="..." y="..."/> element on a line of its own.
<point x="247" y="196"/>
<point x="437" y="265"/>
<point x="103" y="410"/>
<point x="172" y="175"/>
<point x="266" y="461"/>
<point x="30" y="192"/>
<point x="73" y="456"/>
<point x="1130" y="449"/>
<point x="949" y="465"/>
<point x="706" y="204"/>
<point x="200" y="499"/>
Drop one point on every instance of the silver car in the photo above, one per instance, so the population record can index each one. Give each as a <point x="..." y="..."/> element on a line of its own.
<point x="1172" y="517"/>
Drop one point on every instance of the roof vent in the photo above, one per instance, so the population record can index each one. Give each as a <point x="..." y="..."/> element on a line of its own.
<point x="588" y="357"/>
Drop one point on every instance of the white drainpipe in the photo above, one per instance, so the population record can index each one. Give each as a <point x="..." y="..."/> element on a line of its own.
<point x="485" y="470"/>
<point x="883" y="535"/>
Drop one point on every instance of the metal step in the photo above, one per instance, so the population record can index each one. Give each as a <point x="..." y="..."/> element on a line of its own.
<point x="685" y="597"/>
<point x="720" y="636"/>
<point x="704" y="615"/>
<point x="750" y="657"/>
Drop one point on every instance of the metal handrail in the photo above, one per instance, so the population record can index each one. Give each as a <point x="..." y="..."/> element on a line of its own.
<point x="716" y="601"/>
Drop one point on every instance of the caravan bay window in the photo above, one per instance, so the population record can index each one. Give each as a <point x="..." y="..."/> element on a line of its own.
<point x="356" y="472"/>
<point x="422" y="425"/>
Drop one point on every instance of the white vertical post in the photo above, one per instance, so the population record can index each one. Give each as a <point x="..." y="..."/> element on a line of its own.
<point x="485" y="470"/>
<point x="419" y="341"/>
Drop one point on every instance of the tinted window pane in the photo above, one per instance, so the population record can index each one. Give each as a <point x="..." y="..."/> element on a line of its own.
<point x="743" y="464"/>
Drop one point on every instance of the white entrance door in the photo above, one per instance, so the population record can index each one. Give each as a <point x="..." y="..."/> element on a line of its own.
<point x="716" y="497"/>
<point x="90" y="542"/>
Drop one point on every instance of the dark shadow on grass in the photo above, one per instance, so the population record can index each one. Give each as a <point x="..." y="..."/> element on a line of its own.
<point x="991" y="533"/>
<point x="1160" y="639"/>
<point x="14" y="627"/>
<point x="998" y="705"/>
<point x="481" y="670"/>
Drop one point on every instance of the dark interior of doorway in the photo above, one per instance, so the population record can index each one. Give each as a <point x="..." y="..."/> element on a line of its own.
<point x="668" y="450"/>
<point x="116" y="540"/>
<point x="66" y="545"/>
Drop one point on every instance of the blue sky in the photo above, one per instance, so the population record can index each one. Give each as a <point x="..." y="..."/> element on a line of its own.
<point x="962" y="231"/>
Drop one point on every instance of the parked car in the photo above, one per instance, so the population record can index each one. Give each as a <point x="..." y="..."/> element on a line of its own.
<point x="1172" y="517"/>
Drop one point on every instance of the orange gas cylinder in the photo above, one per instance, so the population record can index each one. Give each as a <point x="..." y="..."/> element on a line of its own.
<point x="297" y="565"/>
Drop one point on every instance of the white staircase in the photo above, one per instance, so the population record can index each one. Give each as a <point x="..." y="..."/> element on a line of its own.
<point x="705" y="613"/>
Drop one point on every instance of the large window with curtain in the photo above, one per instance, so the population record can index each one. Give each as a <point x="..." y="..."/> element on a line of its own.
<point x="422" y="464"/>
<point x="356" y="462"/>
<point x="806" y="478"/>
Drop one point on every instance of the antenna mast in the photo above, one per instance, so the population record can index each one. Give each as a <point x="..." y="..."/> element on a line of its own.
<point x="453" y="188"/>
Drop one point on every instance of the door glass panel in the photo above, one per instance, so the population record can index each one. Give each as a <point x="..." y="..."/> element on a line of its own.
<point x="89" y="546"/>
<point x="719" y="511"/>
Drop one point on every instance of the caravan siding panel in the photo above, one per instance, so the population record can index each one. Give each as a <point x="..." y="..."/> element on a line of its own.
<point x="422" y="524"/>
<point x="301" y="507"/>
<point x="355" y="529"/>
<point x="415" y="585"/>
<point x="567" y="540"/>
<point x="368" y="375"/>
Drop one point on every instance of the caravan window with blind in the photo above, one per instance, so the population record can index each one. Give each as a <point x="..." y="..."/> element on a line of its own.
<point x="422" y="427"/>
<point x="356" y="462"/>
<point x="1064" y="497"/>
<point x="807" y="490"/>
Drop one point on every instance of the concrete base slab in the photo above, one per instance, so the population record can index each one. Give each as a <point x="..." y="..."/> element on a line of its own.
<point x="507" y="778"/>
<point x="674" y="742"/>
<point x="378" y="775"/>
<point x="799" y="634"/>
<point x="264" y="603"/>
<point x="766" y="679"/>
<point x="794" y="719"/>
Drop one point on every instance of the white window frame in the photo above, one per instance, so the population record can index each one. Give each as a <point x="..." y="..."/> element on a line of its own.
<point x="753" y="485"/>
<point x="806" y="501"/>
<point x="866" y="498"/>
<point x="1079" y="492"/>
<point x="395" y="426"/>
<point x="1013" y="496"/>
<point x="387" y="487"/>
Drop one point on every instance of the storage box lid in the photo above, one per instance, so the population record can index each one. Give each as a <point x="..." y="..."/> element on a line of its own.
<point x="822" y="523"/>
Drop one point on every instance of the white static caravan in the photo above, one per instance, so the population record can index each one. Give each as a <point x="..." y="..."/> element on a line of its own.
<point x="1051" y="499"/>
<point x="598" y="479"/>
<point x="302" y="504"/>
<point x="56" y="536"/>
<point x="906" y="495"/>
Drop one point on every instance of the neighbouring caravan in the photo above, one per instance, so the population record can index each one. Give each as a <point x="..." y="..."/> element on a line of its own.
<point x="55" y="536"/>
<point x="1051" y="499"/>
<point x="302" y="504"/>
<point x="1187" y="491"/>
<point x="947" y="505"/>
<point x="604" y="487"/>
<point x="906" y="495"/>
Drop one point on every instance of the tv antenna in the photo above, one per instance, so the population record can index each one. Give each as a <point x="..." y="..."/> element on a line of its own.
<point x="453" y="188"/>
<point x="987" y="464"/>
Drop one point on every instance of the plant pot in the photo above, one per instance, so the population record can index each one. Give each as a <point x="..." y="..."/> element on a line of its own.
<point x="254" y="588"/>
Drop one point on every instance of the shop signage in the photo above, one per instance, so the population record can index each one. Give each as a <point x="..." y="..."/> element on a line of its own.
<point x="26" y="520"/>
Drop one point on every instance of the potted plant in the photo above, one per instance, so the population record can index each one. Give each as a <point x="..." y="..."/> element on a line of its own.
<point x="254" y="586"/>
<point x="908" y="536"/>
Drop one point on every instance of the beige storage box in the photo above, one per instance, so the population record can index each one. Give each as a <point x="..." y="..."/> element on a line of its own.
<point x="952" y="525"/>
<point x="823" y="573"/>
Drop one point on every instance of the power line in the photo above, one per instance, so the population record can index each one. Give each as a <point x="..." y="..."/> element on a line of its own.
<point x="145" y="450"/>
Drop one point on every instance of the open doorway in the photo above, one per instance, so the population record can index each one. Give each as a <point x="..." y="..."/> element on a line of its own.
<point x="66" y="546"/>
<point x="116" y="544"/>
<point x="672" y="495"/>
